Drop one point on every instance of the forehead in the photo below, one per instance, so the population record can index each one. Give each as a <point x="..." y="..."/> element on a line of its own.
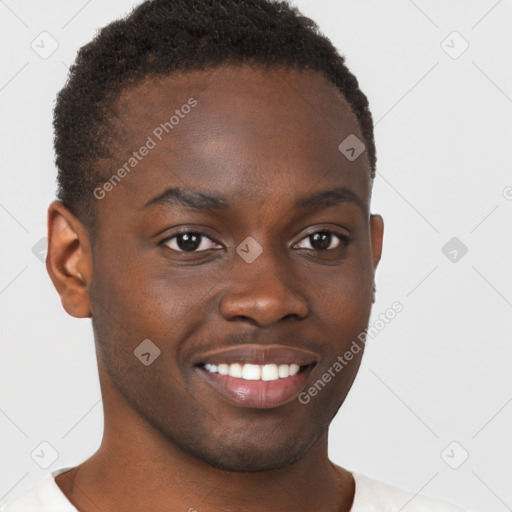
<point x="253" y="96"/>
<point x="243" y="131"/>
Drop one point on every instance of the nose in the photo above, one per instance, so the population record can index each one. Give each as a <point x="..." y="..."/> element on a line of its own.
<point x="263" y="292"/>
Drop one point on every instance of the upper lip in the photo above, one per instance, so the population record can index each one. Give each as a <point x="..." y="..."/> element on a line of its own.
<point x="259" y="354"/>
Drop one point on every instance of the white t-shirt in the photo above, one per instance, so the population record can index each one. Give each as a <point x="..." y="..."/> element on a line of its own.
<point x="370" y="496"/>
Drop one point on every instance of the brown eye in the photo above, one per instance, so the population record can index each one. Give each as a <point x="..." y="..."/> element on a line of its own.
<point x="325" y="240"/>
<point x="189" y="241"/>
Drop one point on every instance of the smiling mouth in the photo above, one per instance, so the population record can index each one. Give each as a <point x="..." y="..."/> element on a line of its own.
<point x="256" y="386"/>
<point x="251" y="372"/>
<point x="256" y="376"/>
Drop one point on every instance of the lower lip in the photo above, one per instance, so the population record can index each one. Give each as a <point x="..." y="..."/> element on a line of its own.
<point x="259" y="394"/>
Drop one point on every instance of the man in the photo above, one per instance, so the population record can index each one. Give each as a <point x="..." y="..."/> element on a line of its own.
<point x="216" y="160"/>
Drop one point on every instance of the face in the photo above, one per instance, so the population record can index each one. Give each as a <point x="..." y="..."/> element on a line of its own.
<point x="261" y="267"/>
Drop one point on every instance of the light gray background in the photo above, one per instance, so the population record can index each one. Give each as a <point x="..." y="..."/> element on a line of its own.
<point x="439" y="372"/>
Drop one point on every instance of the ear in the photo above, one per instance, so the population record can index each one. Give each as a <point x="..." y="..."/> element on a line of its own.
<point x="376" y="235"/>
<point x="69" y="260"/>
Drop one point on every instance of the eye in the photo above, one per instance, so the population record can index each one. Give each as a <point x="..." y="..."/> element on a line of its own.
<point x="325" y="239"/>
<point x="189" y="241"/>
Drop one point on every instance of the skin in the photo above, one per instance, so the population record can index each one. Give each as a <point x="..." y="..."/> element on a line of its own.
<point x="261" y="138"/>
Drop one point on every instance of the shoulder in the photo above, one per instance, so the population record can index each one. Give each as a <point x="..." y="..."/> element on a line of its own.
<point x="44" y="496"/>
<point x="375" y="496"/>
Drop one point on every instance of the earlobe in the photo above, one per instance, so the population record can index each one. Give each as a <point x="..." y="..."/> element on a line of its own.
<point x="68" y="260"/>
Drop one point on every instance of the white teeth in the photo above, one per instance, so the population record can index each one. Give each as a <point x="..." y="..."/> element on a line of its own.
<point x="284" y="371"/>
<point x="223" y="369"/>
<point x="269" y="372"/>
<point x="294" y="369"/>
<point x="235" y="370"/>
<point x="249" y="371"/>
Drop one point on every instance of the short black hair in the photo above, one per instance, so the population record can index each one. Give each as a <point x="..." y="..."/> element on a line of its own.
<point x="162" y="36"/>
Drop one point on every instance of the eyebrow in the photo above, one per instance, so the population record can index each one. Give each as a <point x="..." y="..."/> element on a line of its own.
<point x="207" y="202"/>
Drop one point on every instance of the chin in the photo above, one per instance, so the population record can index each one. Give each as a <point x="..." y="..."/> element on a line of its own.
<point x="242" y="463"/>
<point x="248" y="459"/>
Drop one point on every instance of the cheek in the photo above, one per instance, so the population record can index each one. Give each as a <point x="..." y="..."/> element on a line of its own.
<point x="342" y="293"/>
<point x="163" y="304"/>
<point x="342" y="304"/>
<point x="133" y="291"/>
<point x="174" y="296"/>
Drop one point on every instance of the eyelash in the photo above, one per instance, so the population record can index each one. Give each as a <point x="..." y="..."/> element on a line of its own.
<point x="344" y="240"/>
